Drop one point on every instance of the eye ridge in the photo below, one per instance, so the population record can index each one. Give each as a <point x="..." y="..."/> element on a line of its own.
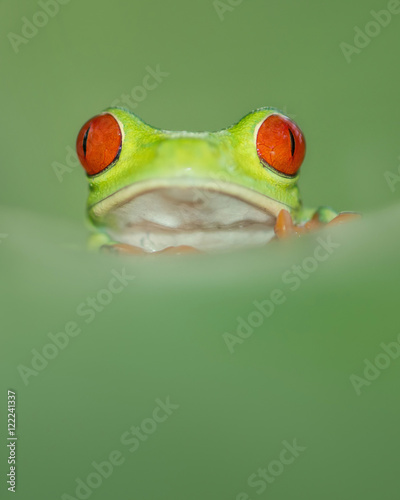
<point x="292" y="142"/>
<point x="84" y="143"/>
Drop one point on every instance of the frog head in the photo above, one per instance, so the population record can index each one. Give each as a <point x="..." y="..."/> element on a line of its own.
<point x="154" y="189"/>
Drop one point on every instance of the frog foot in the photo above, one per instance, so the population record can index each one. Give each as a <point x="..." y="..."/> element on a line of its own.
<point x="285" y="226"/>
<point x="124" y="249"/>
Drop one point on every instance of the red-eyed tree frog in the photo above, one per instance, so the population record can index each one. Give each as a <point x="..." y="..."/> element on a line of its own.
<point x="153" y="190"/>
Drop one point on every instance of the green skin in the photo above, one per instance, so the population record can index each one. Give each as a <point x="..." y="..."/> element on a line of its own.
<point x="225" y="161"/>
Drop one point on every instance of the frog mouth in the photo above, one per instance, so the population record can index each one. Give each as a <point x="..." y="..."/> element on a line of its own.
<point x="155" y="215"/>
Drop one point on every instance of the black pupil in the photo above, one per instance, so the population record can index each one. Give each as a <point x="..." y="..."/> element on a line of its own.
<point x="292" y="142"/>
<point x="85" y="137"/>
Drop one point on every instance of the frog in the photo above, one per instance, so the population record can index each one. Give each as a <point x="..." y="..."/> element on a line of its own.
<point x="158" y="191"/>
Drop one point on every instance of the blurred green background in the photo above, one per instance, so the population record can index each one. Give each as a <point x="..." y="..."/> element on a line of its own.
<point x="163" y="334"/>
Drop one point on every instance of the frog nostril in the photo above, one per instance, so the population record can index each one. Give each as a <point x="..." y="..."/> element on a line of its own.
<point x="292" y="142"/>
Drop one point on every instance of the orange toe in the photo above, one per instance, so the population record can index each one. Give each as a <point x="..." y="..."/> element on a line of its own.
<point x="344" y="217"/>
<point x="284" y="225"/>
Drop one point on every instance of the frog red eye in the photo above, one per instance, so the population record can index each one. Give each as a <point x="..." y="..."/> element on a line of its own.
<point x="99" y="143"/>
<point x="281" y="144"/>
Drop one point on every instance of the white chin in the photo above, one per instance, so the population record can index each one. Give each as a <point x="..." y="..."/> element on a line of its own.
<point x="200" y="218"/>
